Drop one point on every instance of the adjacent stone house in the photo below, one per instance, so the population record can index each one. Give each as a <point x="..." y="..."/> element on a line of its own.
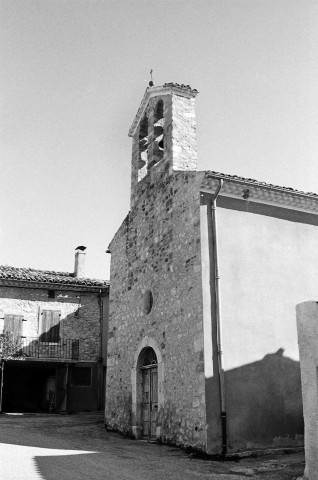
<point x="57" y="323"/>
<point x="206" y="271"/>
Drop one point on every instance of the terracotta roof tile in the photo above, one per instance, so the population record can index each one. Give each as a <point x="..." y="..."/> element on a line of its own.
<point x="48" y="276"/>
<point x="184" y="87"/>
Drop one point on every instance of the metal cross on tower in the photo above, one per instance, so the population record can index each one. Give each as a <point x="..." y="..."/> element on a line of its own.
<point x="151" y="84"/>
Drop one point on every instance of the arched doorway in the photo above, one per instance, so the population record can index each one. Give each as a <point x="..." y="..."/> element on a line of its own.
<point x="148" y="365"/>
<point x="147" y="354"/>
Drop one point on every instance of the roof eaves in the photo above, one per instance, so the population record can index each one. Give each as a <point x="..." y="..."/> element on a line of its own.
<point x="11" y="282"/>
<point x="254" y="191"/>
<point x="251" y="181"/>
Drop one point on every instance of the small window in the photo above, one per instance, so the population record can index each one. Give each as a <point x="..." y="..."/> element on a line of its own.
<point x="148" y="302"/>
<point x="81" y="377"/>
<point x="51" y="294"/>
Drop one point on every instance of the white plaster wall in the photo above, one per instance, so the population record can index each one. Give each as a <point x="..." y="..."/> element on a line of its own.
<point x="267" y="266"/>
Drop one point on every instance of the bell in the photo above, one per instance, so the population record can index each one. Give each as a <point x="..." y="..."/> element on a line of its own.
<point x="160" y="122"/>
<point x="143" y="142"/>
<point x="158" y="130"/>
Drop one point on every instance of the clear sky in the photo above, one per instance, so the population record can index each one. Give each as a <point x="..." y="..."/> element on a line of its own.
<point x="73" y="73"/>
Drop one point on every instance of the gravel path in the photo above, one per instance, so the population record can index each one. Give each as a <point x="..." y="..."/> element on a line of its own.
<point x="77" y="447"/>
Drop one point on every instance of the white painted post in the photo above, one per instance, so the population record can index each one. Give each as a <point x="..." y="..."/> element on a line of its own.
<point x="307" y="328"/>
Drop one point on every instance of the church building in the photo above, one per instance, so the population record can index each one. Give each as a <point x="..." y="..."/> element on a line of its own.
<point x="206" y="271"/>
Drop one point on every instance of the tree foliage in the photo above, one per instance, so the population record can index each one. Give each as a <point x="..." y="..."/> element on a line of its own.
<point x="10" y="346"/>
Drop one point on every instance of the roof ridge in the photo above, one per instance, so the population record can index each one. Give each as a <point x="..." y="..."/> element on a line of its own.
<point x="31" y="269"/>
<point x="182" y="86"/>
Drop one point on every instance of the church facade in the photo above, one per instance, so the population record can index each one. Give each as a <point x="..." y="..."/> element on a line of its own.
<point x="206" y="271"/>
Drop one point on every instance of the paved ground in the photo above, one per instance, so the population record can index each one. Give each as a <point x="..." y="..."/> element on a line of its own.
<point x="77" y="447"/>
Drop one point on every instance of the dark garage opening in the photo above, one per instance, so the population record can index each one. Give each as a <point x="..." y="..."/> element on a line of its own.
<point x="26" y="388"/>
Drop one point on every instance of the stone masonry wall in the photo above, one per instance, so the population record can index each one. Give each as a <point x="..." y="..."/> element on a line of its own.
<point x="158" y="248"/>
<point x="184" y="134"/>
<point x="80" y="314"/>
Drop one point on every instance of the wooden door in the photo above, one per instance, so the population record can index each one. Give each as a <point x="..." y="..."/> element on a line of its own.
<point x="149" y="401"/>
<point x="153" y="401"/>
<point x="61" y="388"/>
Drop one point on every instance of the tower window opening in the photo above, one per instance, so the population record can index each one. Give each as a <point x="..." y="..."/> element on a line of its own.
<point x="158" y="144"/>
<point x="143" y="149"/>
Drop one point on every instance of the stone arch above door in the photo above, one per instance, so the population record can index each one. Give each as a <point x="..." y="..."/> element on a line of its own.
<point x="135" y="384"/>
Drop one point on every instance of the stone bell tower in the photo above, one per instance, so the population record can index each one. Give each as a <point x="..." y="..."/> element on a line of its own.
<point x="164" y="134"/>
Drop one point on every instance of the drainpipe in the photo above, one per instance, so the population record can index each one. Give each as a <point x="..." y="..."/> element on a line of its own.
<point x="101" y="363"/>
<point x="101" y="316"/>
<point x="218" y="318"/>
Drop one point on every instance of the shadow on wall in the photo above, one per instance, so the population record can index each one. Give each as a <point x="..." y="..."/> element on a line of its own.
<point x="263" y="404"/>
<point x="59" y="339"/>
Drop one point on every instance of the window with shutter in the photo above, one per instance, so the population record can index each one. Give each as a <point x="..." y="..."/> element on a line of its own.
<point x="50" y="326"/>
<point x="13" y="325"/>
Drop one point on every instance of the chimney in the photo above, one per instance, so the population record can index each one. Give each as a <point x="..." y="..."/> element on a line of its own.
<point x="79" y="267"/>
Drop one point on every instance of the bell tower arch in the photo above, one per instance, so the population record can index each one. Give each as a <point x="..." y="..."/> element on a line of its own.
<point x="163" y="133"/>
